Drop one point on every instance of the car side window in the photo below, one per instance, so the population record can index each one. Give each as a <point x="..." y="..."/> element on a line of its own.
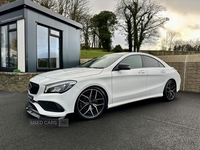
<point x="151" y="62"/>
<point x="135" y="61"/>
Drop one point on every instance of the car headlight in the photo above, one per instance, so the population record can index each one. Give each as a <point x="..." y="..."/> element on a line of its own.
<point x="59" y="87"/>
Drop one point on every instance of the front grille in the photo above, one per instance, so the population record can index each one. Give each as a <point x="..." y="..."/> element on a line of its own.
<point x="33" y="88"/>
<point x="51" y="106"/>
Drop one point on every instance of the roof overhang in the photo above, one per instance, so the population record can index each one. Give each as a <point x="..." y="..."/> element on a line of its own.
<point x="20" y="4"/>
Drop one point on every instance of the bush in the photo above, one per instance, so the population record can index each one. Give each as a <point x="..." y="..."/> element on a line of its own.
<point x="17" y="71"/>
<point x="118" y="48"/>
<point x="85" y="47"/>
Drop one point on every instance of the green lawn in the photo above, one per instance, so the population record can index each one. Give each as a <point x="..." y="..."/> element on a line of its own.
<point x="85" y="54"/>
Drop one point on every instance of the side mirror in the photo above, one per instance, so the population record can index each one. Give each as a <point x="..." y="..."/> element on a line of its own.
<point x="124" y="67"/>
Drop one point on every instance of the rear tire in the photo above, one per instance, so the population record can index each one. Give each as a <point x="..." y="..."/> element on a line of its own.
<point x="169" y="92"/>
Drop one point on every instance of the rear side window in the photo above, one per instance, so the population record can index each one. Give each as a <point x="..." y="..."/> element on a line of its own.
<point x="135" y="61"/>
<point x="151" y="62"/>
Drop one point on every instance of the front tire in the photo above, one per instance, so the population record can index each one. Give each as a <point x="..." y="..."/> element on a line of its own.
<point x="91" y="103"/>
<point x="169" y="92"/>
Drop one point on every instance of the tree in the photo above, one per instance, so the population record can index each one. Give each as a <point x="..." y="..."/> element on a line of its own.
<point x="86" y="29"/>
<point x="126" y="22"/>
<point x="3" y="2"/>
<point x="117" y="48"/>
<point x="78" y="9"/>
<point x="73" y="9"/>
<point x="168" y="42"/>
<point x="190" y="45"/>
<point x="46" y="3"/>
<point x="95" y="34"/>
<point x="142" y="20"/>
<point x="105" y="23"/>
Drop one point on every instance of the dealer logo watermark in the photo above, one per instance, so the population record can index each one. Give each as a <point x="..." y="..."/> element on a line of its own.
<point x="50" y="122"/>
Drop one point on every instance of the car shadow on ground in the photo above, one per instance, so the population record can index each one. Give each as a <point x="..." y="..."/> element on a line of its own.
<point x="115" y="111"/>
<point x="73" y="118"/>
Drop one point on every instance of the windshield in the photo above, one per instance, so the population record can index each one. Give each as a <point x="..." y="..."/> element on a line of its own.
<point x="102" y="61"/>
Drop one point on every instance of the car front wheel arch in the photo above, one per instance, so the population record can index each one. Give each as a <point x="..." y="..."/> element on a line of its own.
<point x="91" y="103"/>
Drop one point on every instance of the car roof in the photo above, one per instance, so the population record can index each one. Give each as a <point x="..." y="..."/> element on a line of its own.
<point x="124" y="54"/>
<point x="129" y="53"/>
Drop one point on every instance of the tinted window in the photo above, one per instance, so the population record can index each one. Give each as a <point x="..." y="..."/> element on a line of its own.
<point x="48" y="48"/>
<point x="54" y="52"/>
<point x="12" y="26"/>
<point x="151" y="62"/>
<point x="8" y="48"/>
<point x="42" y="46"/>
<point x="135" y="61"/>
<point x="102" y="61"/>
<point x="13" y="49"/>
<point x="54" y="32"/>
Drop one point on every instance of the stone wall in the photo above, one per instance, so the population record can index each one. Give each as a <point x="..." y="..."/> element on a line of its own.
<point x="161" y="53"/>
<point x="187" y="65"/>
<point x="15" y="82"/>
<point x="189" y="68"/>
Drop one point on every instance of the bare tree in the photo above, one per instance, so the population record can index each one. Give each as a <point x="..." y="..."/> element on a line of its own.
<point x="50" y="4"/>
<point x="168" y="42"/>
<point x="3" y="2"/>
<point x="61" y="7"/>
<point x="95" y="37"/>
<point x="142" y="19"/>
<point x="187" y="45"/>
<point x="125" y="22"/>
<point x="78" y="9"/>
<point x="73" y="9"/>
<point x="86" y="22"/>
<point x="172" y="37"/>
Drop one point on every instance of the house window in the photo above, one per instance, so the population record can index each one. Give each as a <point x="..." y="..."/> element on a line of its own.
<point x="9" y="46"/>
<point x="48" y="48"/>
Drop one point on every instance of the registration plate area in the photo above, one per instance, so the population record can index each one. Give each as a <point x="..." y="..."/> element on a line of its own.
<point x="30" y="98"/>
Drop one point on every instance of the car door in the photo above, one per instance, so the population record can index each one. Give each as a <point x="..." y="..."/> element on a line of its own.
<point x="156" y="76"/>
<point x="129" y="85"/>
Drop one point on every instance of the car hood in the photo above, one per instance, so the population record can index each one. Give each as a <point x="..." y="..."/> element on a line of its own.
<point x="66" y="74"/>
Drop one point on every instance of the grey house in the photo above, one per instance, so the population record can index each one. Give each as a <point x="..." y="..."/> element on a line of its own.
<point x="34" y="38"/>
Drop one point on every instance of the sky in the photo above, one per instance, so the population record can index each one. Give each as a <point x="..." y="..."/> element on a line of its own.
<point x="184" y="18"/>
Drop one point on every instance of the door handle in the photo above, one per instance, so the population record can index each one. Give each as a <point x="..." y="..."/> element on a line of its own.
<point x="163" y="71"/>
<point x="141" y="72"/>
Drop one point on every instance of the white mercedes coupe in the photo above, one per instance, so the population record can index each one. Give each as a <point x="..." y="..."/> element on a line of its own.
<point x="103" y="82"/>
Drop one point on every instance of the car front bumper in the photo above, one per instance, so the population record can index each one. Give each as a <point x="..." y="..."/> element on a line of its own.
<point x="52" y="105"/>
<point x="31" y="110"/>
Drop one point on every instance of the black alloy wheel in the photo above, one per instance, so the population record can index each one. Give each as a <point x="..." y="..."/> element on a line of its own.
<point x="169" y="92"/>
<point x="91" y="103"/>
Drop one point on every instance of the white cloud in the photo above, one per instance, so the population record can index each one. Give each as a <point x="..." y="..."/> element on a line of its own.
<point x="184" y="7"/>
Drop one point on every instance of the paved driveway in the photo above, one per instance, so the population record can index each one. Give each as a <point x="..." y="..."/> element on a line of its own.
<point x="149" y="124"/>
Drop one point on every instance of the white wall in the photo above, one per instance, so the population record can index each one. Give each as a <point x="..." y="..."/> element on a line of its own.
<point x="21" y="44"/>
